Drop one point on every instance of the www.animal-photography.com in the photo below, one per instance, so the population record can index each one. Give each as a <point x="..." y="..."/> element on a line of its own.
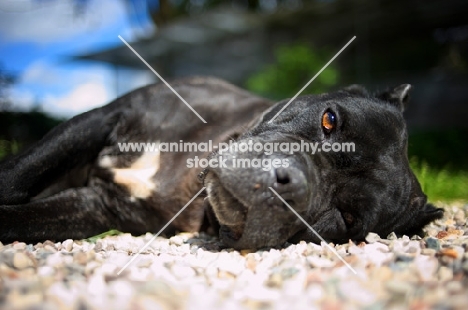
<point x="247" y="154"/>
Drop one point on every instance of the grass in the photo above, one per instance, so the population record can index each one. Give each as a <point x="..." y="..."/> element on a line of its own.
<point x="9" y="147"/>
<point x="441" y="184"/>
<point x="112" y="232"/>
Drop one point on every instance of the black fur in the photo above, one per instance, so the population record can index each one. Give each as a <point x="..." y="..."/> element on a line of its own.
<point x="69" y="184"/>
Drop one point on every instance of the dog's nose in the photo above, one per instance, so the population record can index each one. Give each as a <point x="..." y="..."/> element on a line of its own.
<point x="291" y="184"/>
<point x="283" y="176"/>
<point x="289" y="177"/>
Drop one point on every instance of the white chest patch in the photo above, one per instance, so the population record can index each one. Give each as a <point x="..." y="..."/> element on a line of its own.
<point x="138" y="177"/>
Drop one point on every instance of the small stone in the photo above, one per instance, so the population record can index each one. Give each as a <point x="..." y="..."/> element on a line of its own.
<point x="459" y="218"/>
<point x="183" y="272"/>
<point x="426" y="267"/>
<point x="383" y="273"/>
<point x="433" y="243"/>
<point x="50" y="248"/>
<point x="402" y="257"/>
<point x="387" y="242"/>
<point x="320" y="262"/>
<point x="49" y="243"/>
<point x="372" y="237"/>
<point x="222" y="274"/>
<point x="452" y="253"/>
<point x="80" y="258"/>
<point x="98" y="246"/>
<point x="428" y="251"/>
<point x="455" y="232"/>
<point x="442" y="234"/>
<point x="251" y="262"/>
<point x="144" y="263"/>
<point x="77" y="246"/>
<point x="399" y="287"/>
<point x="19" y="246"/>
<point x="392" y="236"/>
<point x="90" y="255"/>
<point x="55" y="260"/>
<point x="454" y="287"/>
<point x="67" y="245"/>
<point x="22" y="261"/>
<point x="431" y="232"/>
<point x="91" y="267"/>
<point x="354" y="249"/>
<point x="465" y="266"/>
<point x="45" y="271"/>
<point x="275" y="280"/>
<point x="445" y="274"/>
<point x="176" y="240"/>
<point x="58" y="246"/>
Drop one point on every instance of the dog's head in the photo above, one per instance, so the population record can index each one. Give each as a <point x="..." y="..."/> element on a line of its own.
<point x="342" y="193"/>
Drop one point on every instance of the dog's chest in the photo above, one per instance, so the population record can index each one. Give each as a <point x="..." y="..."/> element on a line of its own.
<point x="138" y="178"/>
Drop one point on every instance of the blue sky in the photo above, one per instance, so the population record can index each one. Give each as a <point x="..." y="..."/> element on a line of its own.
<point x="38" y="36"/>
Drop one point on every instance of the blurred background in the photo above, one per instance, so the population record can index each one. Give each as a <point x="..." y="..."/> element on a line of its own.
<point x="59" y="58"/>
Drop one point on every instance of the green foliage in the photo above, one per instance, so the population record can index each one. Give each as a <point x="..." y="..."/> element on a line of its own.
<point x="446" y="149"/>
<point x="112" y="232"/>
<point x="19" y="130"/>
<point x="439" y="160"/>
<point x="293" y="67"/>
<point x="9" y="147"/>
<point x="441" y="184"/>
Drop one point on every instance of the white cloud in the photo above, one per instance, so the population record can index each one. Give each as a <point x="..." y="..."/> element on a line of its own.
<point x="48" y="74"/>
<point x="23" y="100"/>
<point x="133" y="79"/>
<point x="82" y="98"/>
<point x="67" y="91"/>
<point x="40" y="73"/>
<point x="46" y="21"/>
<point x="62" y="91"/>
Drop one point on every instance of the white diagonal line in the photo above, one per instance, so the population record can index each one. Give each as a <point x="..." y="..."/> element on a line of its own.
<point x="313" y="230"/>
<point x="160" y="77"/>
<point x="311" y="80"/>
<point x="155" y="236"/>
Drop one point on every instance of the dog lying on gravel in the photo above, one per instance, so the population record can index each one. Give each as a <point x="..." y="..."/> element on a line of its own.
<point x="77" y="182"/>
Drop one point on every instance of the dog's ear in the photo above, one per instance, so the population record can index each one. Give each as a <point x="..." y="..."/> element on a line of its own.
<point x="398" y="96"/>
<point x="356" y="89"/>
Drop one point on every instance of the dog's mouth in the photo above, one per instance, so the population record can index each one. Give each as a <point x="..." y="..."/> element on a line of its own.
<point x="245" y="224"/>
<point x="229" y="211"/>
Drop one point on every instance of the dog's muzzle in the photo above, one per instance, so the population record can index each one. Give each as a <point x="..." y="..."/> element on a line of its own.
<point x="250" y="214"/>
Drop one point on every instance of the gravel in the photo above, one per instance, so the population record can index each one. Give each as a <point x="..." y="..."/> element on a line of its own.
<point x="194" y="271"/>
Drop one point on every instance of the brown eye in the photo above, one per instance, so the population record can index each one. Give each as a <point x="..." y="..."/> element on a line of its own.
<point x="328" y="121"/>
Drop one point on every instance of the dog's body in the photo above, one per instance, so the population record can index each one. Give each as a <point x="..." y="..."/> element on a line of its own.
<point x="76" y="182"/>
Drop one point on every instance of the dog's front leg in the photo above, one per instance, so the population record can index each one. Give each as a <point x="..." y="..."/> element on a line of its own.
<point x="75" y="213"/>
<point x="68" y="146"/>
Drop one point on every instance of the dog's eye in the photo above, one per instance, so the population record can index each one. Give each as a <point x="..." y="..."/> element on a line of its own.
<point x="328" y="121"/>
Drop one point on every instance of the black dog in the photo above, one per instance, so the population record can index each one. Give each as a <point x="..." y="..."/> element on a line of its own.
<point x="76" y="182"/>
